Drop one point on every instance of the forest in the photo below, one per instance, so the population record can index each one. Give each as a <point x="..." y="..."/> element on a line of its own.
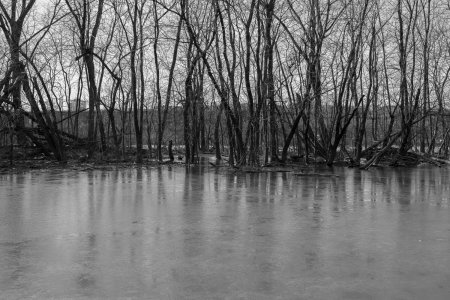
<point x="255" y="81"/>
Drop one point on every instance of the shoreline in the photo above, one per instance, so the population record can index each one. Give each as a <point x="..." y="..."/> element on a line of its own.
<point x="298" y="168"/>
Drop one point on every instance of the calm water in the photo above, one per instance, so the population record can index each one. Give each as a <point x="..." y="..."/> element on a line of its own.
<point x="172" y="233"/>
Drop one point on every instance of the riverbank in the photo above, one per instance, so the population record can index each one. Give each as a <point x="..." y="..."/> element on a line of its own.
<point x="26" y="159"/>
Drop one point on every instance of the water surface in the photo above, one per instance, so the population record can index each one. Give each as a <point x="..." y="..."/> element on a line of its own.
<point x="202" y="233"/>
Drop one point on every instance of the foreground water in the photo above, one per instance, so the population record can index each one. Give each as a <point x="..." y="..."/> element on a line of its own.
<point x="173" y="233"/>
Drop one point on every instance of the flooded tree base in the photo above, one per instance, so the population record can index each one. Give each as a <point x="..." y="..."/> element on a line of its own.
<point x="27" y="158"/>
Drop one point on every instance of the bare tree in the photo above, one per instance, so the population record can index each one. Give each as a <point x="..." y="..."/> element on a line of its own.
<point x="82" y="12"/>
<point x="12" y="20"/>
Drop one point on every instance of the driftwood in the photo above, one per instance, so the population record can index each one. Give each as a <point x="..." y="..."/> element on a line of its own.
<point x="391" y="156"/>
<point x="376" y="157"/>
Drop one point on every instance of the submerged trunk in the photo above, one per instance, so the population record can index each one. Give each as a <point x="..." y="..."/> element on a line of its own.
<point x="217" y="135"/>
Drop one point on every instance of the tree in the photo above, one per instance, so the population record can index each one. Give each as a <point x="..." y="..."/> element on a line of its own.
<point x="82" y="12"/>
<point x="11" y="23"/>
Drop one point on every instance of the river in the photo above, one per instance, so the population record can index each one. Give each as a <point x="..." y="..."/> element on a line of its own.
<point x="206" y="233"/>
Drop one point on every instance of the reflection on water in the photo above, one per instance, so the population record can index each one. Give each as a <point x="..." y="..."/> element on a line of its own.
<point x="203" y="233"/>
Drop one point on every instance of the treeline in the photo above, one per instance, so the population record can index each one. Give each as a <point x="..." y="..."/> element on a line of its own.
<point x="325" y="78"/>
